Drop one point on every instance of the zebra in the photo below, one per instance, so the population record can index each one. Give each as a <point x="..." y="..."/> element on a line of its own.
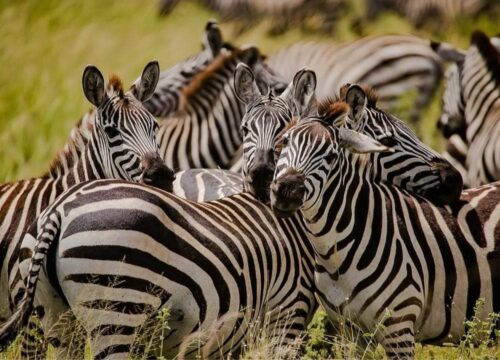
<point x="471" y="107"/>
<point x="419" y="12"/>
<point x="243" y="93"/>
<point x="205" y="132"/>
<point x="385" y="256"/>
<point x="392" y="64"/>
<point x="285" y="14"/>
<point x="252" y="273"/>
<point x="166" y="99"/>
<point x="117" y="142"/>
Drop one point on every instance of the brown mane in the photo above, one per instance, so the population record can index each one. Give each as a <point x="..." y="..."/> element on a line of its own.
<point x="200" y="79"/>
<point x="370" y="92"/>
<point x="115" y="85"/>
<point x="332" y="109"/>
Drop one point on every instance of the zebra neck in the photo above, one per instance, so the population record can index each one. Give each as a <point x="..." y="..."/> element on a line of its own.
<point x="71" y="153"/>
<point x="87" y="167"/>
<point x="343" y="212"/>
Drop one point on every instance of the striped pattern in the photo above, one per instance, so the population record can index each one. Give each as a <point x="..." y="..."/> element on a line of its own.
<point x="420" y="12"/>
<point x="471" y="108"/>
<point x="115" y="143"/>
<point x="157" y="250"/>
<point x="167" y="98"/>
<point x="383" y="255"/>
<point x="392" y="64"/>
<point x="205" y="132"/>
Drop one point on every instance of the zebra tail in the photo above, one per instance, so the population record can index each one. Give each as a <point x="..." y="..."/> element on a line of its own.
<point x="19" y="319"/>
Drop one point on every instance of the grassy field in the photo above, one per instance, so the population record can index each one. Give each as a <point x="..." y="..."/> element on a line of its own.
<point x="45" y="44"/>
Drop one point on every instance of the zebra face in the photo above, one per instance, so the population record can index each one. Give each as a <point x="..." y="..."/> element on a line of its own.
<point x="312" y="153"/>
<point x="265" y="118"/>
<point x="124" y="135"/>
<point x="411" y="165"/>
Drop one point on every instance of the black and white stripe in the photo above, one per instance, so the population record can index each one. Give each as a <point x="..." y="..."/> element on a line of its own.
<point x="205" y="132"/>
<point x="117" y="141"/>
<point x="471" y="107"/>
<point x="392" y="64"/>
<point x="421" y="12"/>
<point x="383" y="255"/>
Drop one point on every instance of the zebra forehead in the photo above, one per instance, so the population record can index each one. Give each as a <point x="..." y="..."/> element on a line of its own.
<point x="115" y="86"/>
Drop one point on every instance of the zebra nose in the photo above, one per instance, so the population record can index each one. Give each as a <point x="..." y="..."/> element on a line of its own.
<point x="287" y="194"/>
<point x="156" y="173"/>
<point x="451" y="183"/>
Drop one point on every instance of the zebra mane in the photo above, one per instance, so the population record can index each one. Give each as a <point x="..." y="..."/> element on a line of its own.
<point x="115" y="86"/>
<point x="76" y="143"/>
<point x="489" y="53"/>
<point x="199" y="81"/>
<point x="331" y="111"/>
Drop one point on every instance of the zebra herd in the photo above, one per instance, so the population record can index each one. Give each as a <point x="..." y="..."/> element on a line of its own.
<point x="296" y="189"/>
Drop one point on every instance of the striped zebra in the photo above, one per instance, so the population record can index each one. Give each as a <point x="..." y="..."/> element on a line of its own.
<point x="205" y="131"/>
<point x="166" y="99"/>
<point x="242" y="93"/>
<point x="211" y="274"/>
<point x="384" y="256"/>
<point x="118" y="142"/>
<point x="285" y="14"/>
<point x="420" y="12"/>
<point x="392" y="64"/>
<point x="471" y="108"/>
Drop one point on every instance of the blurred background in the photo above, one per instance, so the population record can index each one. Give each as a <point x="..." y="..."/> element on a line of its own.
<point x="45" y="45"/>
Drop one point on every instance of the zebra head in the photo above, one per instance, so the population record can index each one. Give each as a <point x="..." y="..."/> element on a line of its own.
<point x="312" y="151"/>
<point x="411" y="165"/>
<point x="265" y="118"/>
<point x="452" y="120"/>
<point x="123" y="144"/>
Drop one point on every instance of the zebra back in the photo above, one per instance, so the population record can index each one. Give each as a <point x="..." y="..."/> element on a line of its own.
<point x="392" y="64"/>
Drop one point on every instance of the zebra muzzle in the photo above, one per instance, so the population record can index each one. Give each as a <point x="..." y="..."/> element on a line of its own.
<point x="156" y="173"/>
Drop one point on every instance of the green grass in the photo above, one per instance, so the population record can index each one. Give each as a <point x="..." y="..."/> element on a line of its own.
<point x="45" y="45"/>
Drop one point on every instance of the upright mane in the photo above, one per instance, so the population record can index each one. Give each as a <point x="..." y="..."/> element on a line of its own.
<point x="75" y="145"/>
<point x="488" y="52"/>
<point x="200" y="80"/>
<point x="331" y="110"/>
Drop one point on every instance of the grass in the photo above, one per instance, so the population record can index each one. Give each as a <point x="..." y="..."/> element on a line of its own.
<point x="44" y="46"/>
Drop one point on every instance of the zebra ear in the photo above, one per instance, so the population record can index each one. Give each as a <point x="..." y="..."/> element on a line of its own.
<point x="145" y="86"/>
<point x="244" y="84"/>
<point x="93" y="85"/>
<point x="356" y="98"/>
<point x="304" y="92"/>
<point x="448" y="52"/>
<point x="359" y="143"/>
<point x="212" y="38"/>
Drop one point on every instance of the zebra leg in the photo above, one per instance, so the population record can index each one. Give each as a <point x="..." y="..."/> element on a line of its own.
<point x="399" y="340"/>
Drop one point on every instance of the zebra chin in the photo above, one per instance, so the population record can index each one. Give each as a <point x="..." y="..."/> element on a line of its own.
<point x="156" y="173"/>
<point x="450" y="186"/>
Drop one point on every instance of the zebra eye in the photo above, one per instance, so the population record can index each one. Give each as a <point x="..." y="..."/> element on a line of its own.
<point x="285" y="139"/>
<point x="244" y="129"/>
<point x="388" y="141"/>
<point x="111" y="131"/>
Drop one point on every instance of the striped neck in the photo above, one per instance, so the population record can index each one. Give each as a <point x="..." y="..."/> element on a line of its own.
<point x="343" y="210"/>
<point x="71" y="153"/>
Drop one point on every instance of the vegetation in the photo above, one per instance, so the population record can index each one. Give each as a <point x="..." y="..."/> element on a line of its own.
<point x="44" y="47"/>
